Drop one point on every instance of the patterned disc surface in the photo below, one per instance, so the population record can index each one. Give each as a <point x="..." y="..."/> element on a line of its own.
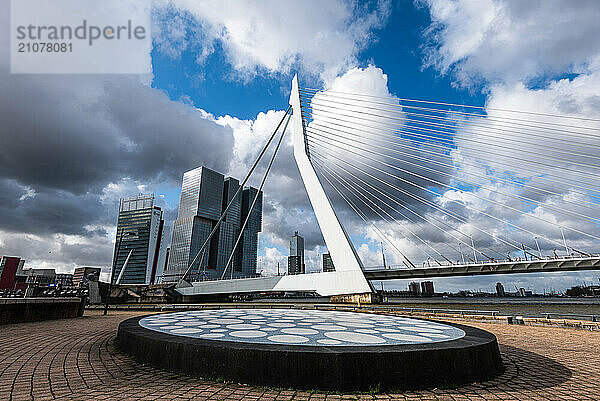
<point x="300" y="327"/>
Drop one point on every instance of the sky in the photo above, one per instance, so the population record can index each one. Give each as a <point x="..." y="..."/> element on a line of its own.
<point x="218" y="83"/>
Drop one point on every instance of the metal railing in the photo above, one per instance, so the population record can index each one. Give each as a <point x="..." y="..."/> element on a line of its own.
<point x="481" y="262"/>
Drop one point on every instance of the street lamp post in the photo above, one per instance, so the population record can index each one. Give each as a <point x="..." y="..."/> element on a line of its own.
<point x="112" y="270"/>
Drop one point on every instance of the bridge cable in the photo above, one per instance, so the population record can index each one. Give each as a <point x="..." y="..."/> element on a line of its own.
<point x="449" y="115"/>
<point x="218" y="223"/>
<point x="517" y="247"/>
<point x="457" y="105"/>
<point x="459" y="190"/>
<point x="251" y="209"/>
<point x="438" y="155"/>
<point x="448" y="149"/>
<point x="439" y="171"/>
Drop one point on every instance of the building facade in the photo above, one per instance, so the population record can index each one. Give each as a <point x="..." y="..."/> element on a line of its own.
<point x="296" y="259"/>
<point x="427" y="288"/>
<point x="205" y="195"/>
<point x="81" y="274"/>
<point x="414" y="288"/>
<point x="9" y="267"/>
<point x="500" y="290"/>
<point x="328" y="263"/>
<point x="246" y="263"/>
<point x="141" y="231"/>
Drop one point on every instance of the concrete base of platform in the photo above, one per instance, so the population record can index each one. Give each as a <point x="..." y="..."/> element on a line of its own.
<point x="18" y="310"/>
<point x="472" y="358"/>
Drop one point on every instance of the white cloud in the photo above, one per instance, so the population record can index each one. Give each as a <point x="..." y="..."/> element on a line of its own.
<point x="274" y="36"/>
<point x="511" y="40"/>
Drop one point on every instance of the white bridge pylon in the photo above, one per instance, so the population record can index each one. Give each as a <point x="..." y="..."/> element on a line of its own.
<point x="348" y="277"/>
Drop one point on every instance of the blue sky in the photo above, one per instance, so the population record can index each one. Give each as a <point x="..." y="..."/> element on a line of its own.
<point x="396" y="49"/>
<point x="236" y="63"/>
<point x="411" y="43"/>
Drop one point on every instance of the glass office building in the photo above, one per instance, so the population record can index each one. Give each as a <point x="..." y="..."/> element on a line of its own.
<point x="141" y="232"/>
<point x="205" y="194"/>
<point x="328" y="263"/>
<point x="246" y="262"/>
<point x="296" y="258"/>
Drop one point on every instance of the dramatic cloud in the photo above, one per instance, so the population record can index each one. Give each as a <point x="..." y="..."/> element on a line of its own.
<point x="511" y="40"/>
<point x="73" y="145"/>
<point x="515" y="49"/>
<point x="274" y="36"/>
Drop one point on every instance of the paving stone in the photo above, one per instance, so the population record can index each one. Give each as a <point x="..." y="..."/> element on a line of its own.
<point x="75" y="359"/>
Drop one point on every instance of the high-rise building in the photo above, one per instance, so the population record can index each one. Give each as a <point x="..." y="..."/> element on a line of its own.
<point x="141" y="232"/>
<point x="199" y="207"/>
<point x="296" y="258"/>
<point x="229" y="228"/>
<point x="63" y="279"/>
<point x="81" y="275"/>
<point x="427" y="288"/>
<point x="247" y="259"/>
<point x="414" y="288"/>
<point x="40" y="277"/>
<point x="328" y="263"/>
<point x="205" y="194"/>
<point x="500" y="290"/>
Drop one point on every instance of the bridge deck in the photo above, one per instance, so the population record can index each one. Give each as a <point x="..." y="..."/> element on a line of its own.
<point x="315" y="281"/>
<point x="478" y="269"/>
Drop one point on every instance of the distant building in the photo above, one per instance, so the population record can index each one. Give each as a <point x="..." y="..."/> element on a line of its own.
<point x="500" y="290"/>
<point x="427" y="288"/>
<point x="81" y="274"/>
<point x="414" y="288"/>
<point x="524" y="293"/>
<point x="141" y="231"/>
<point x="9" y="267"/>
<point x="40" y="277"/>
<point x="296" y="259"/>
<point x="63" y="279"/>
<point x="295" y="265"/>
<point x="328" y="263"/>
<point x="204" y="196"/>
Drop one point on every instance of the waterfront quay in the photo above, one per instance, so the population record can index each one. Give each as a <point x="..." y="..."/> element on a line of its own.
<point x="76" y="359"/>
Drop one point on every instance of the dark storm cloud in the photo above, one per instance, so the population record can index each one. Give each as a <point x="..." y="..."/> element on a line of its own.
<point x="65" y="138"/>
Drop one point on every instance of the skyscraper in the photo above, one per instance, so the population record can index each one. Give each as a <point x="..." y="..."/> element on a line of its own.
<point x="204" y="196"/>
<point x="230" y="226"/>
<point x="328" y="263"/>
<point x="141" y="231"/>
<point x="500" y="290"/>
<point x="296" y="258"/>
<point x="427" y="288"/>
<point x="246" y="263"/>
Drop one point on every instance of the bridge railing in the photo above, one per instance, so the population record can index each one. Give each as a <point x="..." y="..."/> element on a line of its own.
<point x="483" y="262"/>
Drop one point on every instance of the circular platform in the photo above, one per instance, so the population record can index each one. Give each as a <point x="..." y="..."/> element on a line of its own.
<point x="313" y="349"/>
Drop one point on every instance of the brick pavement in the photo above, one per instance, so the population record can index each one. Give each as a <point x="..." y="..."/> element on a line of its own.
<point x="74" y="359"/>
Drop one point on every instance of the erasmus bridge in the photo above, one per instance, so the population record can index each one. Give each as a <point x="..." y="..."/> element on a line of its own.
<point x="499" y="191"/>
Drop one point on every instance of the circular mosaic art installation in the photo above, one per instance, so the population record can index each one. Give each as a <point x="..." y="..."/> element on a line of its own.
<point x="312" y="349"/>
<point x="276" y="326"/>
